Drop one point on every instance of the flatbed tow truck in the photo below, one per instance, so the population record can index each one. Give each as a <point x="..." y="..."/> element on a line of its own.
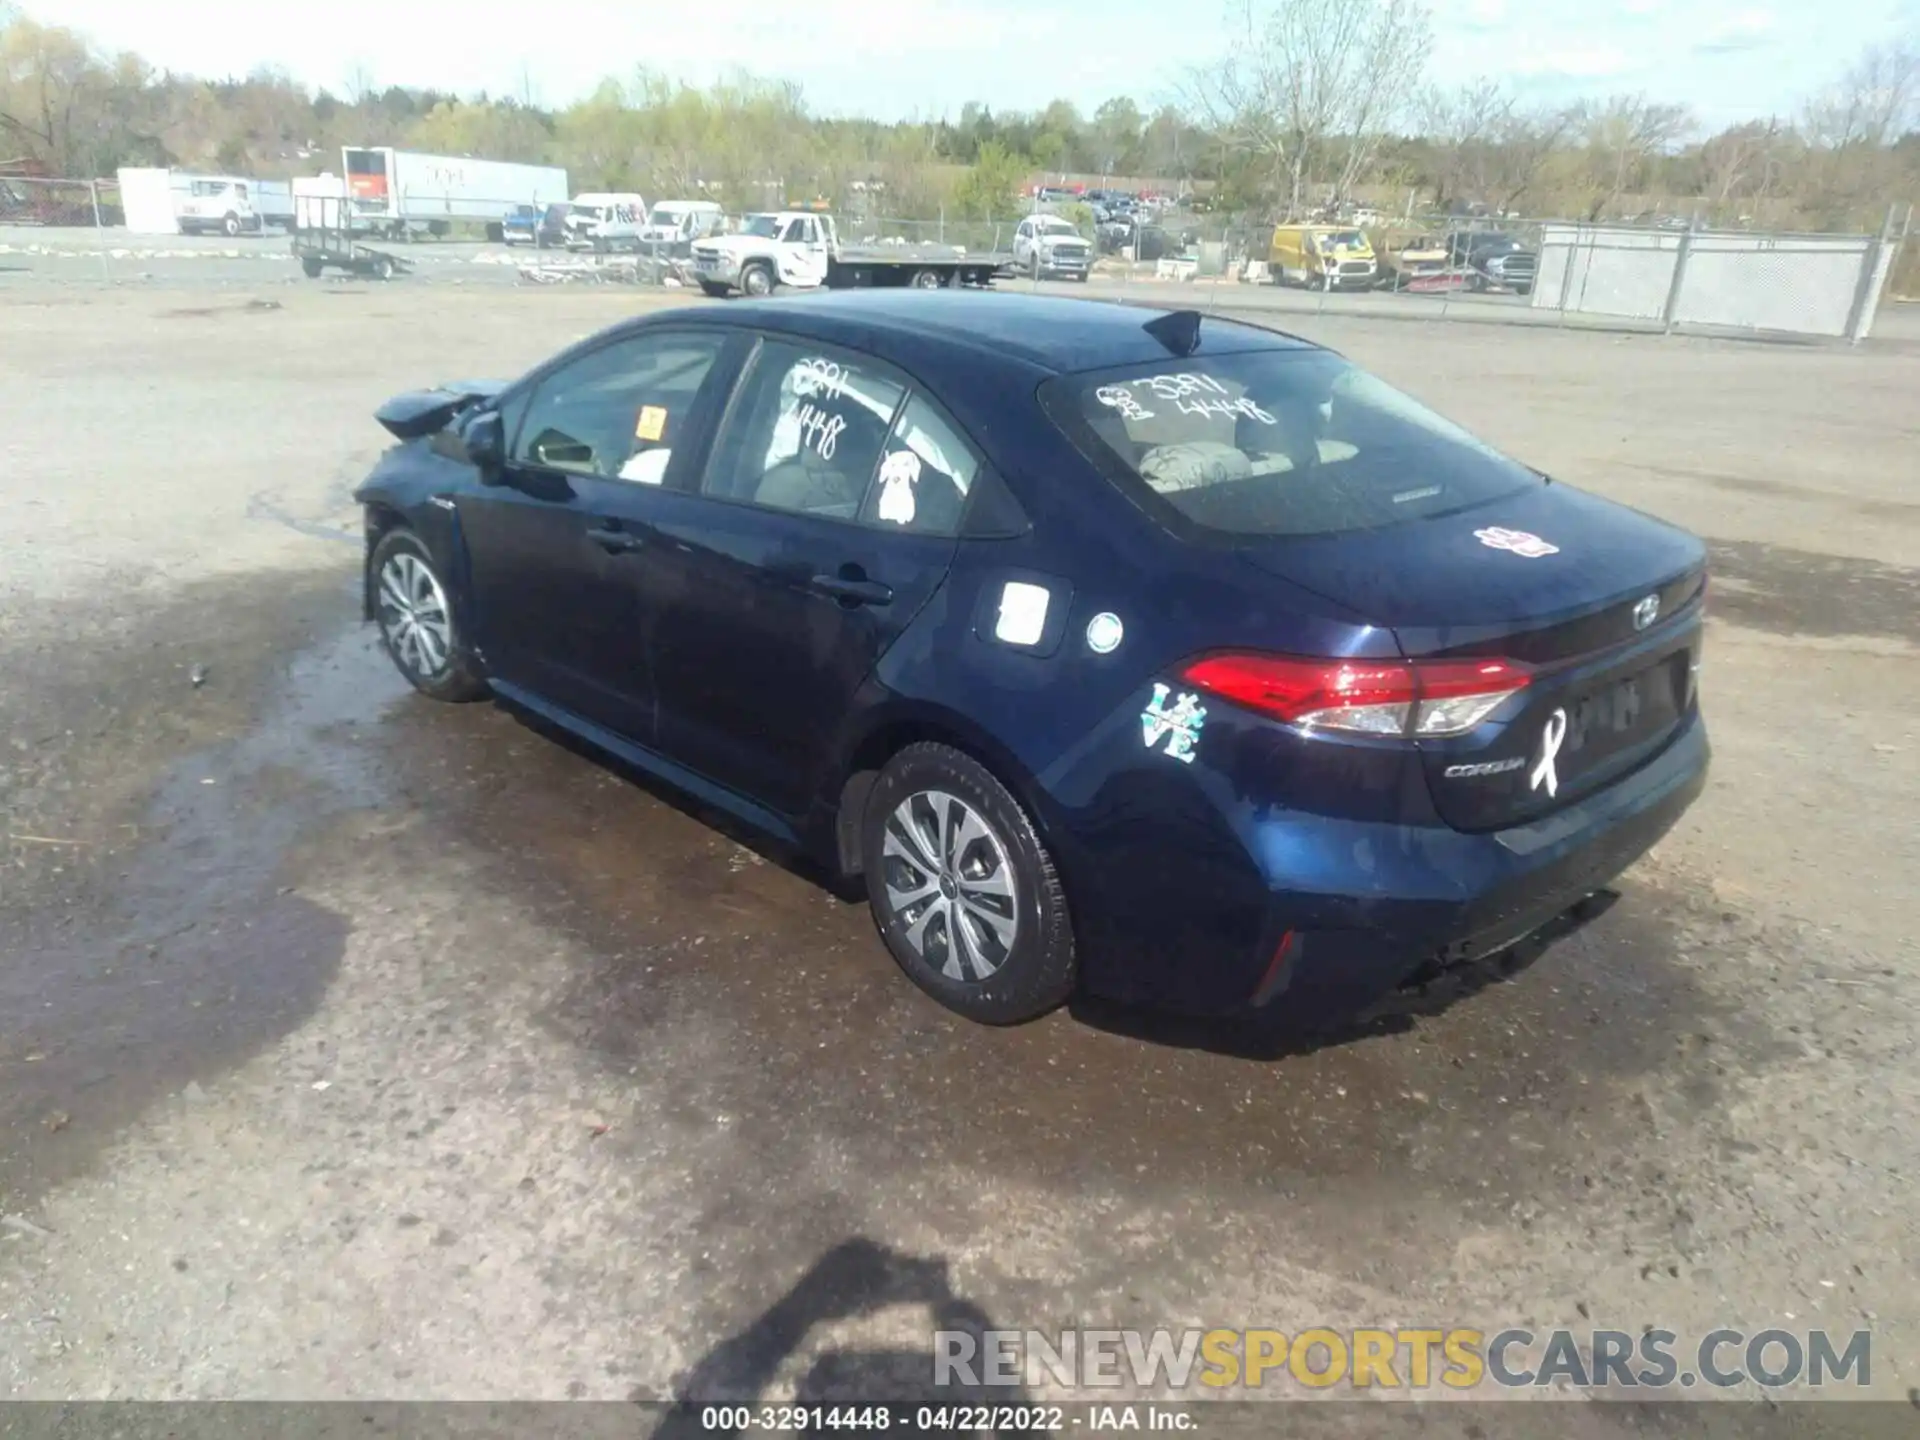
<point x="802" y="249"/>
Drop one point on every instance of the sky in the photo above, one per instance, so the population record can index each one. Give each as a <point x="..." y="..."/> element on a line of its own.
<point x="892" y="59"/>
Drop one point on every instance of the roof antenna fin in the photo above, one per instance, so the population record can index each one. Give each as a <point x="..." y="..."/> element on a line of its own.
<point x="1179" y="331"/>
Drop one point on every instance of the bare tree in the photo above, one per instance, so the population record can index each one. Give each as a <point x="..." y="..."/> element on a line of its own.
<point x="1488" y="147"/>
<point x="1463" y="125"/>
<point x="1305" y="74"/>
<point x="359" y="82"/>
<point x="50" y="83"/>
<point x="1623" y="133"/>
<point x="1876" y="101"/>
<point x="1524" y="141"/>
<point x="1851" y="130"/>
<point x="1743" y="162"/>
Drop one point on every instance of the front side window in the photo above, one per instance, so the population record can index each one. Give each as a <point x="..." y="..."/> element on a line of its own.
<point x="761" y="227"/>
<point x="806" y="432"/>
<point x="618" y="411"/>
<point x="1277" y="442"/>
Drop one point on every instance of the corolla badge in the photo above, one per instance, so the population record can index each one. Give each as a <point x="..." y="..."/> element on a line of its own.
<point x="1646" y="612"/>
<point x="1498" y="537"/>
<point x="1551" y="739"/>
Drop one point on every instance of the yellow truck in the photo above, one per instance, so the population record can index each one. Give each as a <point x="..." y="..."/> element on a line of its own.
<point x="1322" y="257"/>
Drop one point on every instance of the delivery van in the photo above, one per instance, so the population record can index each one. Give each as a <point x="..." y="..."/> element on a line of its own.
<point x="1322" y="257"/>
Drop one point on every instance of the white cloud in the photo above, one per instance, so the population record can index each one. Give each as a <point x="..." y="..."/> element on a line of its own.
<point x="1580" y="62"/>
<point x="1742" y="30"/>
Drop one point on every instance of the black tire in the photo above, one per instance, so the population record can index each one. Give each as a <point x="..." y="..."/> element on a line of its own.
<point x="713" y="288"/>
<point x="456" y="677"/>
<point x="927" y="280"/>
<point x="311" y="267"/>
<point x="383" y="267"/>
<point x="757" y="279"/>
<point x="994" y="983"/>
<point x="231" y="224"/>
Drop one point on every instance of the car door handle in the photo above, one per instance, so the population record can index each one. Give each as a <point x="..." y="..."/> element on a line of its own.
<point x="614" y="542"/>
<point x="853" y="592"/>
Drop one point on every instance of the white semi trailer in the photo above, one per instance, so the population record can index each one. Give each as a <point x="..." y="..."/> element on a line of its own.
<point x="402" y="193"/>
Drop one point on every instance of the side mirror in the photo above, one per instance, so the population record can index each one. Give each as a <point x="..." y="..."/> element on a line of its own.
<point x="485" y="440"/>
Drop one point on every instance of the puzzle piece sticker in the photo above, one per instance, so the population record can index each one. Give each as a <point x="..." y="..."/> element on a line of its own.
<point x="1178" y="724"/>
<point x="652" y="423"/>
<point x="899" y="473"/>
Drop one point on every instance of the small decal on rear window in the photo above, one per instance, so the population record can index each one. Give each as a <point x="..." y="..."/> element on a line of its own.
<point x="1179" y="724"/>
<point x="1119" y="397"/>
<point x="898" y="474"/>
<point x="1498" y="537"/>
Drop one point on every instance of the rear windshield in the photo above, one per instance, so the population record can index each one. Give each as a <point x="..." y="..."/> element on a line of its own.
<point x="1276" y="442"/>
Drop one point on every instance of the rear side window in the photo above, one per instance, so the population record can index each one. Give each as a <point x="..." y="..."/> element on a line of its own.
<point x="806" y="433"/>
<point x="925" y="474"/>
<point x="1276" y="442"/>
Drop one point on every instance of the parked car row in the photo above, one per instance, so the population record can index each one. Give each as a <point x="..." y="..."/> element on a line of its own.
<point x="1346" y="257"/>
<point x="606" y="222"/>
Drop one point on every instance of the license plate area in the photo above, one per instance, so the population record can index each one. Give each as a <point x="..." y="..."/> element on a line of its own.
<point x="1624" y="713"/>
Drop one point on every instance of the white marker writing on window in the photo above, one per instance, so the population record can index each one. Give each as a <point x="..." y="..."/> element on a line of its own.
<point x="820" y="430"/>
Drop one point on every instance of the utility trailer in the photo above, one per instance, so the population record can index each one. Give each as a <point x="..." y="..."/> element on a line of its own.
<point x="802" y="249"/>
<point x="324" y="238"/>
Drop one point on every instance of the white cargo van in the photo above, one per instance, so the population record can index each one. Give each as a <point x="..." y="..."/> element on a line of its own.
<point x="617" y="211"/>
<point x="673" y="225"/>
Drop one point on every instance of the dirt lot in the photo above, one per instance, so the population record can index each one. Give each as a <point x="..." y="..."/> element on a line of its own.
<point x="353" y="1046"/>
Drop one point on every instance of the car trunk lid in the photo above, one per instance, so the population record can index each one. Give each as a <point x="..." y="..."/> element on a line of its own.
<point x="1600" y="602"/>
<point x="426" y="412"/>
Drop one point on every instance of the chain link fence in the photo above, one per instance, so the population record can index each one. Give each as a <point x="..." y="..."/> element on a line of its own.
<point x="1658" y="276"/>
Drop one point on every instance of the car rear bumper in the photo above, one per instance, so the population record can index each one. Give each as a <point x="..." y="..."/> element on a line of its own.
<point x="1513" y="883"/>
<point x="1331" y="914"/>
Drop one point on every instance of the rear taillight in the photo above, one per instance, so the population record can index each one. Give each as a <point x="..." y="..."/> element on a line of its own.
<point x="1417" y="698"/>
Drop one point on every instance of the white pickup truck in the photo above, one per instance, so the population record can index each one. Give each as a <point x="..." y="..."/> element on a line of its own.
<point x="803" y="250"/>
<point x="1049" y="245"/>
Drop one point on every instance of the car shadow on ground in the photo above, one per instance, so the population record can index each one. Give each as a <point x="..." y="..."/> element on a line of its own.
<point x="1277" y="1037"/>
<point x="854" y="1280"/>
<point x="1265" y="1037"/>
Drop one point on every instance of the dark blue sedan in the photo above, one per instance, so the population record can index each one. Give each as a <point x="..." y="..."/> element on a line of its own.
<point x="1121" y="650"/>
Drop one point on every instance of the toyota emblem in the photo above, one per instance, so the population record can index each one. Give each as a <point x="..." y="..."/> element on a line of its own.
<point x="1646" y="612"/>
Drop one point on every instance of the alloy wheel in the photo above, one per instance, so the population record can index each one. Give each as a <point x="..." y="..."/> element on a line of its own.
<point x="949" y="885"/>
<point x="413" y="615"/>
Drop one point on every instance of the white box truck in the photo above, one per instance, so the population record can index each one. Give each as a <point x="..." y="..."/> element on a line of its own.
<point x="401" y="193"/>
<point x="185" y="202"/>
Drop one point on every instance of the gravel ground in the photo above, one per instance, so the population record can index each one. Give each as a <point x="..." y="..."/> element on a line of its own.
<point x="356" y="1047"/>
